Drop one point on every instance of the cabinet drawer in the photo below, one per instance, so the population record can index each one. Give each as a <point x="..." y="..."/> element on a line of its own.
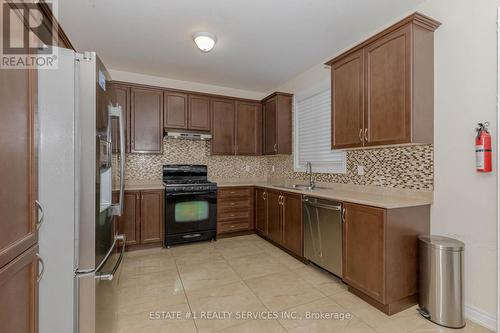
<point x="233" y="226"/>
<point x="224" y="216"/>
<point x="225" y="205"/>
<point x="234" y="192"/>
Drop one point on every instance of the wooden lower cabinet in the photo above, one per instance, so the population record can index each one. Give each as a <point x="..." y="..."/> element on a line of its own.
<point x="235" y="213"/>
<point x="261" y="211"/>
<point x="151" y="221"/>
<point x="364" y="253"/>
<point x="380" y="259"/>
<point x="278" y="217"/>
<point x="142" y="218"/>
<point x="292" y="222"/>
<point x="274" y="225"/>
<point x="19" y="290"/>
<point x="128" y="223"/>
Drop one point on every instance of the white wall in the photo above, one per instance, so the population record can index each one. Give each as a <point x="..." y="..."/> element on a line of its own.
<point x="184" y="85"/>
<point x="465" y="201"/>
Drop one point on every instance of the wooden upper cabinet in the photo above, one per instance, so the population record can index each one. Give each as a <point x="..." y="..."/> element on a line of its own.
<point x="348" y="101"/>
<point x="292" y="222"/>
<point x="248" y="128"/>
<point x="223" y="134"/>
<point x="146" y="120"/>
<point x="269" y="110"/>
<point x="277" y="124"/>
<point x="19" y="290"/>
<point x="364" y="250"/>
<point x="261" y="211"/>
<point x="388" y="85"/>
<point x="175" y="110"/>
<point x="199" y="113"/>
<point x="391" y="75"/>
<point x="151" y="216"/>
<point x="18" y="213"/>
<point x="121" y="97"/>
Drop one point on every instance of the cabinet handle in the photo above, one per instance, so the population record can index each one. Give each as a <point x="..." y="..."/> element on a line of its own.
<point x="42" y="270"/>
<point x="41" y="218"/>
<point x="232" y="204"/>
<point x="360" y="134"/>
<point x="366" y="135"/>
<point x="275" y="147"/>
<point x="282" y="200"/>
<point x="263" y="195"/>
<point x="343" y="214"/>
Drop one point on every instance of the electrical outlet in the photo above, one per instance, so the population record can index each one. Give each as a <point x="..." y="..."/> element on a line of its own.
<point x="361" y="170"/>
<point x="247" y="168"/>
<point x="272" y="168"/>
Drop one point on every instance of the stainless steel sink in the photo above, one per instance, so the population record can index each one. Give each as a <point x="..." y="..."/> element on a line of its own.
<point x="301" y="187"/>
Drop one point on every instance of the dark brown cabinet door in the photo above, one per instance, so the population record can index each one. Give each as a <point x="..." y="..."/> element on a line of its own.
<point x="199" y="113"/>
<point x="176" y="110"/>
<point x="19" y="290"/>
<point x="270" y="145"/>
<point x="128" y="223"/>
<point x="146" y="120"/>
<point x="292" y="222"/>
<point x="277" y="124"/>
<point x="274" y="225"/>
<point x="388" y="79"/>
<point x="248" y="128"/>
<point x="223" y="116"/>
<point x="18" y="212"/>
<point x="151" y="216"/>
<point x="122" y="98"/>
<point x="261" y="211"/>
<point x="348" y="101"/>
<point x="364" y="250"/>
<point x="284" y="124"/>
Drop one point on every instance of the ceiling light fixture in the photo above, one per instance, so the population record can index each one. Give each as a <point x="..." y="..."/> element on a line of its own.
<point x="204" y="40"/>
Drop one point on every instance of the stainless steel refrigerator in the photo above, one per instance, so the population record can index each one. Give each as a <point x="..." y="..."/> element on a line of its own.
<point x="79" y="242"/>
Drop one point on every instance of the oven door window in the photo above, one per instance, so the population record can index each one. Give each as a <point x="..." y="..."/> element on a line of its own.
<point x="188" y="212"/>
<point x="192" y="211"/>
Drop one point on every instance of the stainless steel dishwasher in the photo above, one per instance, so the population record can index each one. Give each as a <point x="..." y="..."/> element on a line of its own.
<point x="323" y="233"/>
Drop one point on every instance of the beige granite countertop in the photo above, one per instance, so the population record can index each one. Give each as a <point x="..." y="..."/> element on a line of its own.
<point x="383" y="197"/>
<point x="139" y="185"/>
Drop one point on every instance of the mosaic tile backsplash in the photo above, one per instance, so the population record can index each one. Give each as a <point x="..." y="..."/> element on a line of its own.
<point x="408" y="167"/>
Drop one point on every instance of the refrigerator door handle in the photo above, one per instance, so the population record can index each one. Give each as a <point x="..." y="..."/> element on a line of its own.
<point x="116" y="111"/>
<point x="108" y="276"/>
<point x="88" y="272"/>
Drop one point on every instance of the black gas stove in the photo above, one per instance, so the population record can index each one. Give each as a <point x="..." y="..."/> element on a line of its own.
<point x="190" y="204"/>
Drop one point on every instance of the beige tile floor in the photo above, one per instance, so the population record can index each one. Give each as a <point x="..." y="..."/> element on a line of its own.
<point x="244" y="275"/>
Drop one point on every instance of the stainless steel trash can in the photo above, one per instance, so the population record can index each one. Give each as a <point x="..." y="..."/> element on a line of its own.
<point x="441" y="280"/>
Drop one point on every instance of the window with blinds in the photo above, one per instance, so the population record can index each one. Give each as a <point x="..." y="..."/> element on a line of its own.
<point x="313" y="134"/>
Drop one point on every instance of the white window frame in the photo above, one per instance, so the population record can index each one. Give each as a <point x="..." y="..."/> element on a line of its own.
<point x="298" y="97"/>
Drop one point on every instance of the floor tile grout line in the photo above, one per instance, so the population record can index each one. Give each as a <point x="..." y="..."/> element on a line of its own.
<point x="251" y="290"/>
<point x="184" y="291"/>
<point x="292" y="271"/>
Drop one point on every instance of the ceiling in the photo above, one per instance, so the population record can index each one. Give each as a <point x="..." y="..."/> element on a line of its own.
<point x="261" y="43"/>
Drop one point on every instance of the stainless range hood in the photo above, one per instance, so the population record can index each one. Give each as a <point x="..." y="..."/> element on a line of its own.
<point x="188" y="135"/>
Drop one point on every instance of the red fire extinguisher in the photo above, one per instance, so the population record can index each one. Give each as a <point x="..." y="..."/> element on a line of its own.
<point x="483" y="148"/>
